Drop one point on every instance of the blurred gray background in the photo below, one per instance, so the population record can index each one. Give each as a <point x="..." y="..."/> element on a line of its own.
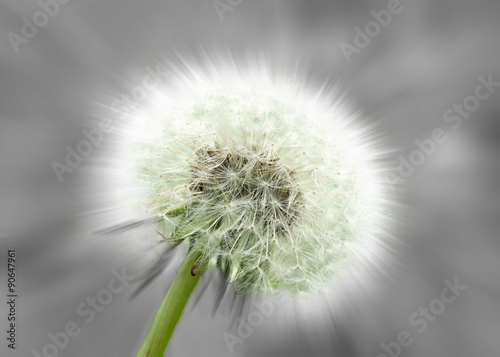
<point x="428" y="57"/>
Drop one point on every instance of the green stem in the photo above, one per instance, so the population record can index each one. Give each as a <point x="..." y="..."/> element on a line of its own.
<point x="170" y="310"/>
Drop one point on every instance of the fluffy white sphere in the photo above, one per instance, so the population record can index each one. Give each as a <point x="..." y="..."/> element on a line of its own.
<point x="273" y="186"/>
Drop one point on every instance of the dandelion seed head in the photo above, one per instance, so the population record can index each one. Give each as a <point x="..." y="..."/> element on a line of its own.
<point x="274" y="189"/>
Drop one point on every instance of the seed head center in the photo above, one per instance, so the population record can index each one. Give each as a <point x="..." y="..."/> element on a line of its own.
<point x="251" y="176"/>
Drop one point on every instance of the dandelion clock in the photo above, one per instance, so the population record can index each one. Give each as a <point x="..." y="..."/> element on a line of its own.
<point x="259" y="177"/>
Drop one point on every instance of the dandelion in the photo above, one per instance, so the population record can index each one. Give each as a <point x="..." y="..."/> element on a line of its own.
<point x="273" y="187"/>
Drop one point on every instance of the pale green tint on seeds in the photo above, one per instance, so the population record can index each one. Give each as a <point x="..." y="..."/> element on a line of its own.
<point x="275" y="192"/>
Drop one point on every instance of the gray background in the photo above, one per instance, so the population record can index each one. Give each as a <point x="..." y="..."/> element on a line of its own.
<point x="428" y="58"/>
